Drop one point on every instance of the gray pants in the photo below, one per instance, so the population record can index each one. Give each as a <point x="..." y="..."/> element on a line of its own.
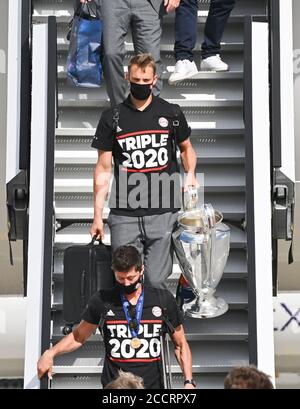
<point x="151" y="235"/>
<point x="146" y="27"/>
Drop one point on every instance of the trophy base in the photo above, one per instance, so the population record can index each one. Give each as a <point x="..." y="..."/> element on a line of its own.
<point x="214" y="307"/>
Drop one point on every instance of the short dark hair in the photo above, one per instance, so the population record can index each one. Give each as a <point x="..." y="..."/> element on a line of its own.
<point x="126" y="380"/>
<point x="247" y="377"/>
<point x="142" y="61"/>
<point x="126" y="257"/>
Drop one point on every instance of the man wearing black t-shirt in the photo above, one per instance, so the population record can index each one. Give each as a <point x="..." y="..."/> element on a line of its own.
<point x="130" y="317"/>
<point x="139" y="136"/>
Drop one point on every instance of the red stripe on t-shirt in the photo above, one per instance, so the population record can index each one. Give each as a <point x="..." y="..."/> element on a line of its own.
<point x="151" y="321"/>
<point x="145" y="132"/>
<point x="144" y="170"/>
<point x="142" y="322"/>
<point x="116" y="322"/>
<point x="134" y="360"/>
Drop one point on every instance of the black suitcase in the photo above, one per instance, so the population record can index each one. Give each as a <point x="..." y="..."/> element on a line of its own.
<point x="87" y="269"/>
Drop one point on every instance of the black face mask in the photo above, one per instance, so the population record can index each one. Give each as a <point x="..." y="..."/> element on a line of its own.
<point x="140" y="91"/>
<point x="131" y="288"/>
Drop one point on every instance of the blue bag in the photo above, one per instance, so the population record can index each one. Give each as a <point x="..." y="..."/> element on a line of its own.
<point x="84" y="66"/>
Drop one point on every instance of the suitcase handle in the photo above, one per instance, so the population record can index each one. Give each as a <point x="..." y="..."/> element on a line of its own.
<point x="82" y="287"/>
<point x="93" y="241"/>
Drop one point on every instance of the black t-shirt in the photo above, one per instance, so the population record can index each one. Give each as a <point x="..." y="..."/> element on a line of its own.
<point x="146" y="179"/>
<point x="146" y="360"/>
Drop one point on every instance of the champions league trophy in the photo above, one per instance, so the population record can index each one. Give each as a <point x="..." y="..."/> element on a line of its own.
<point x="202" y="243"/>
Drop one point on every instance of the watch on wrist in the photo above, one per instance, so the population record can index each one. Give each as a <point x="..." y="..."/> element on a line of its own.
<point x="191" y="381"/>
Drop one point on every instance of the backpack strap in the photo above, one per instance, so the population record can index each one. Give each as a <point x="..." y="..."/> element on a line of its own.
<point x="107" y="307"/>
<point x="169" y="328"/>
<point x="176" y="119"/>
<point x="116" y="118"/>
<point x="175" y="130"/>
<point x="115" y="122"/>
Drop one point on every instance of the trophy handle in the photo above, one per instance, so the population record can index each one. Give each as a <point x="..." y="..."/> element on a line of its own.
<point x="211" y="233"/>
<point x="190" y="198"/>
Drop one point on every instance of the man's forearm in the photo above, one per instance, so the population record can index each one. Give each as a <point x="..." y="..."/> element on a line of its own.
<point x="68" y="344"/>
<point x="101" y="188"/>
<point x="189" y="160"/>
<point x="184" y="358"/>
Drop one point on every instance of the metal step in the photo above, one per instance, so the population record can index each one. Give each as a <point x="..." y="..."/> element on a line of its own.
<point x="234" y="291"/>
<point x="165" y="47"/>
<point x="63" y="17"/>
<point x="64" y="11"/>
<point x="231" y="326"/>
<point x="92" y="381"/>
<point x="208" y="356"/>
<point x="234" y="58"/>
<point x="204" y="132"/>
<point x="129" y="47"/>
<point x="243" y="7"/>
<point x="202" y="75"/>
<point x="79" y="233"/>
<point x="207" y="93"/>
<point x="231" y="205"/>
<point x="233" y="33"/>
<point x="79" y="206"/>
<point x="236" y="266"/>
<point x="210" y="150"/>
<point x="218" y="118"/>
<point x="217" y="178"/>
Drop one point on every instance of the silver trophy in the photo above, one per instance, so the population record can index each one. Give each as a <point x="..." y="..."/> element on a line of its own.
<point x="202" y="242"/>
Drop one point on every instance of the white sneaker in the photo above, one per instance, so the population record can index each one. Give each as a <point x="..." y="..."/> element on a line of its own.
<point x="214" y="63"/>
<point x="183" y="69"/>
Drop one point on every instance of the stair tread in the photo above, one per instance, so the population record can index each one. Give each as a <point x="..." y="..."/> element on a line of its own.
<point x="232" y="325"/>
<point x="86" y="132"/>
<point x="215" y="176"/>
<point x="92" y="381"/>
<point x="79" y="233"/>
<point x="207" y="356"/>
<point x="87" y="157"/>
<point x="76" y="151"/>
<point x="210" y="89"/>
<point x="80" y="205"/>
<point x="78" y="148"/>
<point x="198" y="117"/>
<point x="236" y="265"/>
<point x="235" y="46"/>
<point x="64" y="16"/>
<point x="202" y="75"/>
<point x="64" y="11"/>
<point x="234" y="58"/>
<point x="186" y="94"/>
<point x="233" y="291"/>
<point x="206" y="103"/>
